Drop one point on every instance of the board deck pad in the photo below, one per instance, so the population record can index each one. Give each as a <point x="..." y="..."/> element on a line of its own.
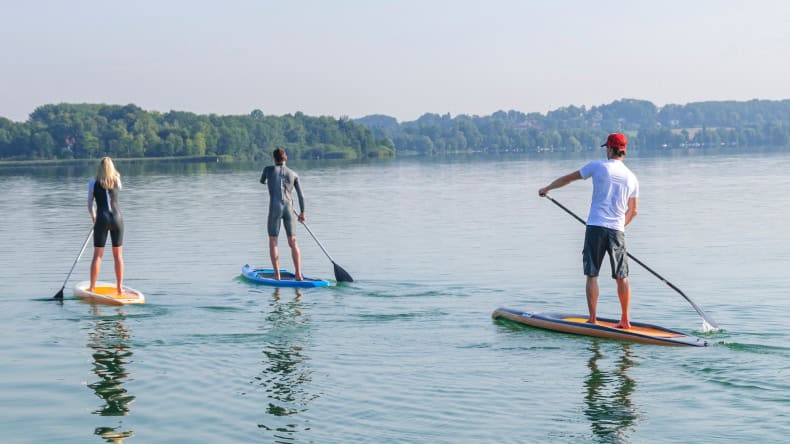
<point x="634" y="328"/>
<point x="603" y="328"/>
<point x="106" y="293"/>
<point x="269" y="274"/>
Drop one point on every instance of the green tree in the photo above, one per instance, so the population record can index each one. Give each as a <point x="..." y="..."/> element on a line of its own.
<point x="43" y="145"/>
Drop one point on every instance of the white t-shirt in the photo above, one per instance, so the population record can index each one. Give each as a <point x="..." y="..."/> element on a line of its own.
<point x="613" y="185"/>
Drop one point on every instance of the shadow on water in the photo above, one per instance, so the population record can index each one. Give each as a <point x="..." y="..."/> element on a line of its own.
<point x="285" y="371"/>
<point x="607" y="399"/>
<point x="109" y="340"/>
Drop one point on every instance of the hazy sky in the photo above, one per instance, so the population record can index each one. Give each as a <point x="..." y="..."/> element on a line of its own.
<point x="401" y="58"/>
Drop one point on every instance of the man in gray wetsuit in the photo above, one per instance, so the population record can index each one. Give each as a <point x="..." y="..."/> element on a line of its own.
<point x="281" y="181"/>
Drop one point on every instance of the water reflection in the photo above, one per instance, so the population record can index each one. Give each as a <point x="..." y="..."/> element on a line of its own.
<point x="85" y="168"/>
<point x="109" y="340"/>
<point x="285" y="373"/>
<point x="608" y="399"/>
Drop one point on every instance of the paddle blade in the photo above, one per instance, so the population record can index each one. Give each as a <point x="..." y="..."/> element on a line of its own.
<point x="708" y="327"/>
<point x="59" y="295"/>
<point x="342" y="275"/>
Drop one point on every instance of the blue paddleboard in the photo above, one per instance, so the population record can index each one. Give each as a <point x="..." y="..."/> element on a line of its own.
<point x="287" y="279"/>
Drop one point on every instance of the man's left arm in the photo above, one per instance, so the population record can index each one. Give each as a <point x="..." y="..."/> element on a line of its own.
<point x="633" y="209"/>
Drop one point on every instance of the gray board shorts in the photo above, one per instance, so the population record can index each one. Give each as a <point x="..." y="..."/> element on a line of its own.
<point x="597" y="242"/>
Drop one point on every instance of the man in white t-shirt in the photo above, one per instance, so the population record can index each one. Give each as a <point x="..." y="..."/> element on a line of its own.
<point x="614" y="205"/>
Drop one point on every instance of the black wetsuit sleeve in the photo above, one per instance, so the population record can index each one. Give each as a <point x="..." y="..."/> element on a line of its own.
<point x="90" y="199"/>
<point x="264" y="175"/>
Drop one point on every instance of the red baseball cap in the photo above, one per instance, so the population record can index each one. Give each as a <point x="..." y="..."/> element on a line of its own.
<point x="616" y="140"/>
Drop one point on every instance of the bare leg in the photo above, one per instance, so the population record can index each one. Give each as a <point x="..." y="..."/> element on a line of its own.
<point x="95" y="266"/>
<point x="592" y="297"/>
<point x="296" y="255"/>
<point x="274" y="255"/>
<point x="624" y="293"/>
<point x="117" y="256"/>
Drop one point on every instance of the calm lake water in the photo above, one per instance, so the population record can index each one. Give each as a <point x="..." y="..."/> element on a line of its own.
<point x="408" y="352"/>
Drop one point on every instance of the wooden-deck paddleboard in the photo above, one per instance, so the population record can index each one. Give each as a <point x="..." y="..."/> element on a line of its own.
<point x="604" y="328"/>
<point x="106" y="293"/>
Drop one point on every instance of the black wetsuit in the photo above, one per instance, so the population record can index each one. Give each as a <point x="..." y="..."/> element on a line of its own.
<point x="108" y="215"/>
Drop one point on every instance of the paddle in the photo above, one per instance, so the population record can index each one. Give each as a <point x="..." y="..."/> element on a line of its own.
<point x="704" y="315"/>
<point x="341" y="275"/>
<point x="59" y="295"/>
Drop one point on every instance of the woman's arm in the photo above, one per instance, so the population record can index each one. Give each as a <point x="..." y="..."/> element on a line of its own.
<point x="91" y="210"/>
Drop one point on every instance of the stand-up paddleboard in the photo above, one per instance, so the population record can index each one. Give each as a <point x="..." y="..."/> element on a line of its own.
<point x="577" y="324"/>
<point x="106" y="293"/>
<point x="287" y="279"/>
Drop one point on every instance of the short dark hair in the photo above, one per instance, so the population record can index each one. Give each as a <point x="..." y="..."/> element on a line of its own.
<point x="279" y="154"/>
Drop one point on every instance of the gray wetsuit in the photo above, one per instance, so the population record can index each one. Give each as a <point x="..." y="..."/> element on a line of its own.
<point x="281" y="181"/>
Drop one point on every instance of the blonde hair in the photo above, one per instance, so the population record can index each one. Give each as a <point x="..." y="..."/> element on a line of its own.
<point x="107" y="176"/>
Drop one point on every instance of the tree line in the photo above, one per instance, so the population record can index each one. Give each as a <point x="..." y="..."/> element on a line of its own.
<point x="85" y="131"/>
<point x="703" y="124"/>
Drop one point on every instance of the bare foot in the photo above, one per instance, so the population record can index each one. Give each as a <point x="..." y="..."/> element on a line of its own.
<point x="277" y="276"/>
<point x="300" y="278"/>
<point x="624" y="325"/>
<point x="592" y="321"/>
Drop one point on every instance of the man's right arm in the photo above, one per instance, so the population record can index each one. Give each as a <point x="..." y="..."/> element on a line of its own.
<point x="560" y="182"/>
<point x="264" y="175"/>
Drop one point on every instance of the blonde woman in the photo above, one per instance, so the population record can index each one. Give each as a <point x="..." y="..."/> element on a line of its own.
<point x="106" y="216"/>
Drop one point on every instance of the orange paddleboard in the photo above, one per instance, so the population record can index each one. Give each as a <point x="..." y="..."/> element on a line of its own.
<point x="604" y="328"/>
<point x="106" y="293"/>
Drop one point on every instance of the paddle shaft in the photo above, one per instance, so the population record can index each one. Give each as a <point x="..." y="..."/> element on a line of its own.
<point x="340" y="274"/>
<point x="670" y="284"/>
<point x="59" y="294"/>
<point x="318" y="242"/>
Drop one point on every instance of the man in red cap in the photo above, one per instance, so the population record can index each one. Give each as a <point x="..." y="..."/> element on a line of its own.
<point x="614" y="205"/>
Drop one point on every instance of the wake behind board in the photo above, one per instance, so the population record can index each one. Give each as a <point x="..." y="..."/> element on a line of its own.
<point x="287" y="279"/>
<point x="105" y="293"/>
<point x="577" y="324"/>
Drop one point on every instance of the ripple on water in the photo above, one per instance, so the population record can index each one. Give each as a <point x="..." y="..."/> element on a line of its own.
<point x="408" y="352"/>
